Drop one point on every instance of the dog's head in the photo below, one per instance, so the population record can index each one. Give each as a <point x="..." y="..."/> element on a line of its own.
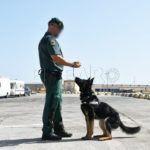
<point x="84" y="85"/>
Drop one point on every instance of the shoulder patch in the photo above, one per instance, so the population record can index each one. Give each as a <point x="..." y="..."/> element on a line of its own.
<point x="52" y="42"/>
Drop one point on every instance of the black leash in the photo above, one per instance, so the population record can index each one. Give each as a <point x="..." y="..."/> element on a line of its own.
<point x="131" y="119"/>
<point x="73" y="73"/>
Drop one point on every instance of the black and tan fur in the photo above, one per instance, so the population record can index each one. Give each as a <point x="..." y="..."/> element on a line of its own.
<point x="92" y="108"/>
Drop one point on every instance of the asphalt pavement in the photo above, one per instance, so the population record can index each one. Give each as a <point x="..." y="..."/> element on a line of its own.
<point x="20" y="124"/>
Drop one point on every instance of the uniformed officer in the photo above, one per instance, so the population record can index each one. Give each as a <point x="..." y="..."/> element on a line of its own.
<point x="52" y="62"/>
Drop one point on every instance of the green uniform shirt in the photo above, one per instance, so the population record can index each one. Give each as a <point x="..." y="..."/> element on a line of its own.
<point x="49" y="46"/>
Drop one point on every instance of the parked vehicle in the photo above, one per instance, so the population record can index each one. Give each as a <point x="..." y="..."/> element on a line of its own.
<point x="4" y="87"/>
<point x="27" y="91"/>
<point x="17" y="88"/>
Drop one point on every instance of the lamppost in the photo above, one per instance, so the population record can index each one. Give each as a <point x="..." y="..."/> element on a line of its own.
<point x="107" y="78"/>
<point x="112" y="76"/>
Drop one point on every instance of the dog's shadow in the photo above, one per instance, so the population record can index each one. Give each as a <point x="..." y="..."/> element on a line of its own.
<point x="15" y="142"/>
<point x="96" y="137"/>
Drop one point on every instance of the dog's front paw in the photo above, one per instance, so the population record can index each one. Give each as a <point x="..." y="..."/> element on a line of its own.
<point x="105" y="138"/>
<point x="86" y="138"/>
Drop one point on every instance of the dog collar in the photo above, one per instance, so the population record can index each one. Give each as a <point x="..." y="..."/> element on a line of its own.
<point x="94" y="103"/>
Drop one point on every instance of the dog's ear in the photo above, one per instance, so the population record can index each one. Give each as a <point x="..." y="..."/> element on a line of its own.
<point x="89" y="79"/>
<point x="92" y="81"/>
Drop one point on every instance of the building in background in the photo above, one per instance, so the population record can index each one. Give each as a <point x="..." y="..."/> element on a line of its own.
<point x="70" y="86"/>
<point x="120" y="88"/>
<point x="36" y="87"/>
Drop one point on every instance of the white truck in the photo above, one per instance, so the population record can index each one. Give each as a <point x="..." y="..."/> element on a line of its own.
<point x="17" y="88"/>
<point x="4" y="87"/>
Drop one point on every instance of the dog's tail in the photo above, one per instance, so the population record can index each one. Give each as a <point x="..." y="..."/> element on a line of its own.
<point x="129" y="130"/>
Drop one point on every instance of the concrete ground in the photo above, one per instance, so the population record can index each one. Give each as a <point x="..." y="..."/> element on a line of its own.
<point x="20" y="124"/>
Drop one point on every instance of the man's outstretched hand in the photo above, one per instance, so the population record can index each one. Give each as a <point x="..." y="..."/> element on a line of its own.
<point x="76" y="64"/>
<point x="60" y="60"/>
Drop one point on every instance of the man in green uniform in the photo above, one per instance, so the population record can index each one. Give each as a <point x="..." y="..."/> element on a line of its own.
<point x="52" y="62"/>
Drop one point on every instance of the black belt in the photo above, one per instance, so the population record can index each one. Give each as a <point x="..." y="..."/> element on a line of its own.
<point x="53" y="73"/>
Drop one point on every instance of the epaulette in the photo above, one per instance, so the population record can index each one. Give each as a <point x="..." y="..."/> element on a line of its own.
<point x="52" y="40"/>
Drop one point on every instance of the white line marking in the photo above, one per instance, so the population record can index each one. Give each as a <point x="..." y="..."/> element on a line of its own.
<point x="21" y="126"/>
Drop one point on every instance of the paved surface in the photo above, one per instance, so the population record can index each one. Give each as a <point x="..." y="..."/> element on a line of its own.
<point x="20" y="124"/>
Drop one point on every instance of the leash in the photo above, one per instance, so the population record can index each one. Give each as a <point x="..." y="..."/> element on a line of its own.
<point x="73" y="72"/>
<point x="129" y="118"/>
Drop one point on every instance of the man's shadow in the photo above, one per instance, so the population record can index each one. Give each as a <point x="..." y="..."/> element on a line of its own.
<point x="15" y="142"/>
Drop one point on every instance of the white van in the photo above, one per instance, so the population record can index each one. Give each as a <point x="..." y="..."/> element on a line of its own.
<point x="17" y="88"/>
<point x="4" y="87"/>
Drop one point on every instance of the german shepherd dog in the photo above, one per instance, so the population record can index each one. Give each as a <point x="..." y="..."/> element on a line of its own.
<point x="92" y="108"/>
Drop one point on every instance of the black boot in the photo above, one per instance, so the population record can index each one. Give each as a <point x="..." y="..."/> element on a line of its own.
<point x="60" y="131"/>
<point x="51" y="137"/>
<point x="63" y="133"/>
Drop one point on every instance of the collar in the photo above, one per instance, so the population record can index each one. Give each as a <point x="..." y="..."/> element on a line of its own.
<point x="88" y="97"/>
<point x="89" y="93"/>
<point x="85" y="96"/>
<point x="47" y="33"/>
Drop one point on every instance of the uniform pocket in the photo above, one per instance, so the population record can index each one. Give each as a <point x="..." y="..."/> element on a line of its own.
<point x="51" y="79"/>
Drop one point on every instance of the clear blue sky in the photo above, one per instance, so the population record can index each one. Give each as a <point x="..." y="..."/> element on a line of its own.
<point x="106" y="34"/>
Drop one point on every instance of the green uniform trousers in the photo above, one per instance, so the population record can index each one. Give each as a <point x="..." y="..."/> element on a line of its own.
<point x="52" y="109"/>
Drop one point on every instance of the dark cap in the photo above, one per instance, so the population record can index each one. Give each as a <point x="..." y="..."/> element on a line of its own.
<point x="56" y="21"/>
